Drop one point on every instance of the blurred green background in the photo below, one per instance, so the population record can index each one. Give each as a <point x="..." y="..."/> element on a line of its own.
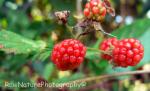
<point x="32" y="23"/>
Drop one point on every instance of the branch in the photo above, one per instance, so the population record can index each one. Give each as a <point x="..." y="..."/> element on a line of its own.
<point x="98" y="27"/>
<point x="89" y="79"/>
<point x="79" y="8"/>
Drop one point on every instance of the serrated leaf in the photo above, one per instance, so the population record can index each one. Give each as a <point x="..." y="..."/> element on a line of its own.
<point x="44" y="54"/>
<point x="14" y="43"/>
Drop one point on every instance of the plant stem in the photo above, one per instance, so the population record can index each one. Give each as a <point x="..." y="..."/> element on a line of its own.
<point x="79" y="13"/>
<point x="70" y="30"/>
<point x="79" y="8"/>
<point x="89" y="79"/>
<point x="94" y="49"/>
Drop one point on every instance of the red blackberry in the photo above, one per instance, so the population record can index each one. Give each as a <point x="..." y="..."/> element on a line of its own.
<point x="68" y="54"/>
<point x="129" y="52"/>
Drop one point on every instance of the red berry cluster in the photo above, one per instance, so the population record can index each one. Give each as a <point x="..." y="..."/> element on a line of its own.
<point x="123" y="53"/>
<point x="95" y="9"/>
<point x="68" y="54"/>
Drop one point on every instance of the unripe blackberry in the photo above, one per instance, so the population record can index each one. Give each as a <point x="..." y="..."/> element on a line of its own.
<point x="95" y="10"/>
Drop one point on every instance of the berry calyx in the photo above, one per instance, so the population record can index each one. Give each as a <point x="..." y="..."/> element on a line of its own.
<point x="108" y="45"/>
<point x="129" y="52"/>
<point x="68" y="54"/>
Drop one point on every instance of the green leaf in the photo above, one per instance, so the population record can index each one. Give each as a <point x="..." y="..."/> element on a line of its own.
<point x="14" y="62"/>
<point x="92" y="54"/>
<point x="1" y="2"/>
<point x="17" y="20"/>
<point x="98" y="66"/>
<point x="44" y="54"/>
<point x="97" y="43"/>
<point x="136" y="30"/>
<point x="48" y="71"/>
<point x="14" y="43"/>
<point x="140" y="29"/>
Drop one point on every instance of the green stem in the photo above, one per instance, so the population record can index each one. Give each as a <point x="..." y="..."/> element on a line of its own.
<point x="70" y="30"/>
<point x="94" y="49"/>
